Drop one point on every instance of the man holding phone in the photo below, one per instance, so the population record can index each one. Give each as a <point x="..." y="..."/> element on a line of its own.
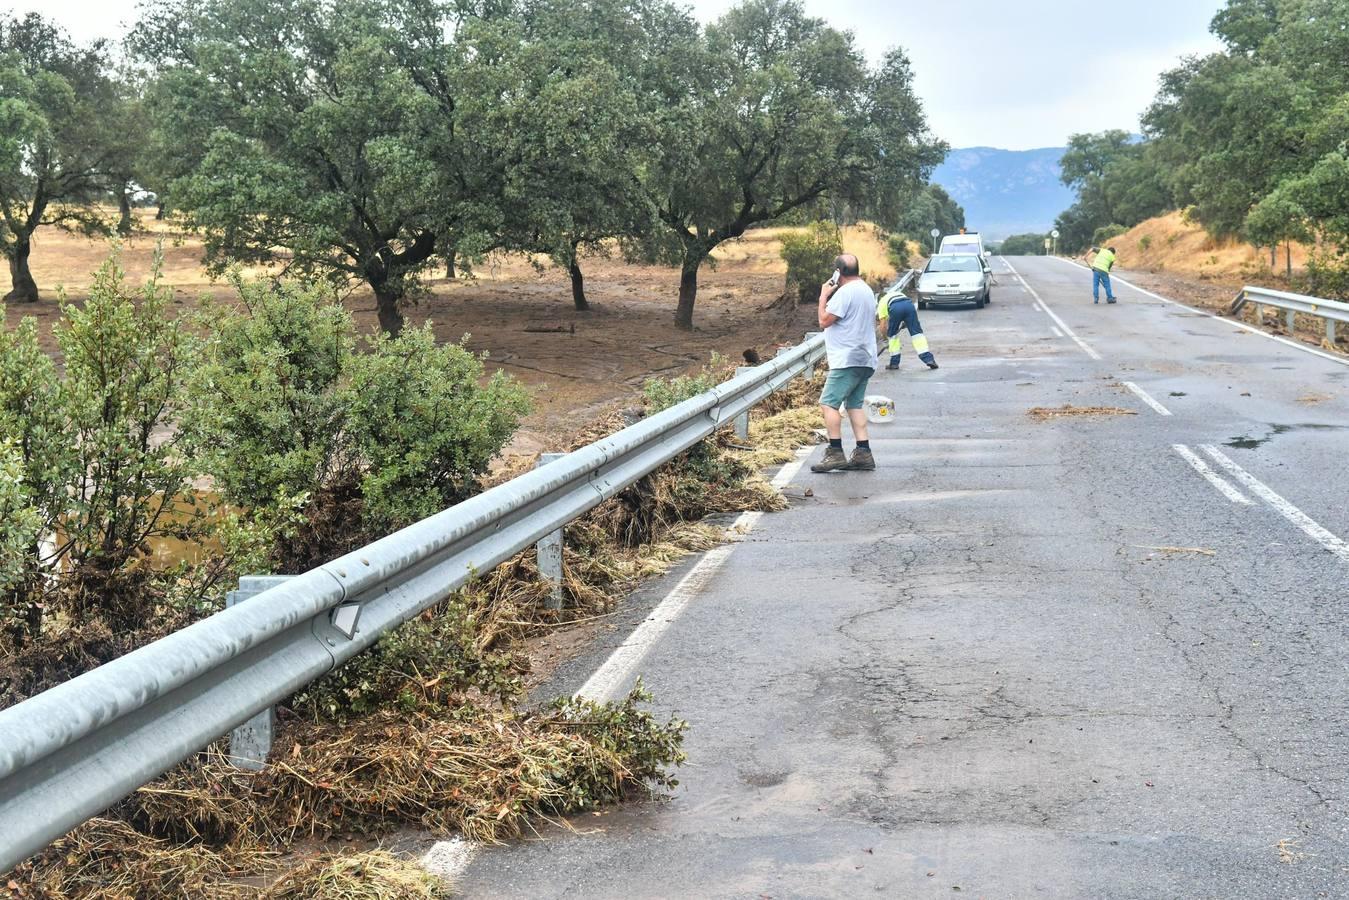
<point x="847" y="315"/>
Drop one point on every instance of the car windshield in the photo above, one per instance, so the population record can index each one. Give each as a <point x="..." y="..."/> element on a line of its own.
<point x="954" y="264"/>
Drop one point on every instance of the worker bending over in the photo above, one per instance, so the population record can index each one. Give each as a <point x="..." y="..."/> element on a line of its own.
<point x="898" y="311"/>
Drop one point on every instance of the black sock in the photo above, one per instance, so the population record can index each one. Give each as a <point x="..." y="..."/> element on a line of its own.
<point x="836" y="443"/>
<point x="864" y="445"/>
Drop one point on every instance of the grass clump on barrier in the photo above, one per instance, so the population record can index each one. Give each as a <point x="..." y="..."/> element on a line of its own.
<point x="372" y="875"/>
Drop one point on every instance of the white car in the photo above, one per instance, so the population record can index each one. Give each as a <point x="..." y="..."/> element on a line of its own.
<point x="955" y="278"/>
<point x="970" y="243"/>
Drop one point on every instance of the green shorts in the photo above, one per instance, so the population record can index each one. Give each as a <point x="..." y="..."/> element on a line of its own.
<point x="846" y="387"/>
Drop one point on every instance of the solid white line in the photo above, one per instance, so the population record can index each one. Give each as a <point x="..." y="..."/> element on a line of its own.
<point x="449" y="859"/>
<point x="1143" y="395"/>
<point x="1213" y="477"/>
<point x="1062" y="324"/>
<point x="604" y="683"/>
<point x="1237" y="322"/>
<point x="1055" y="329"/>
<point x="1287" y="510"/>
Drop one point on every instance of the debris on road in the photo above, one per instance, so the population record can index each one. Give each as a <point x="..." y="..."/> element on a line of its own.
<point x="1044" y="413"/>
<point x="1177" y="551"/>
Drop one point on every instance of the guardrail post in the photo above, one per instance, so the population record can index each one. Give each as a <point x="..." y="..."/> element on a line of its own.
<point x="251" y="742"/>
<point x="549" y="549"/>
<point x="1260" y="314"/>
<point x="742" y="420"/>
<point x="1330" y="332"/>
<point x="1291" y="319"/>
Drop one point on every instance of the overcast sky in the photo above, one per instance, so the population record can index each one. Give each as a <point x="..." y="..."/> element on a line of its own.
<point x="1016" y="74"/>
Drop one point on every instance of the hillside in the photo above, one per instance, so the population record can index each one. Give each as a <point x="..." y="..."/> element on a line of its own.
<point x="1170" y="244"/>
<point x="1005" y="192"/>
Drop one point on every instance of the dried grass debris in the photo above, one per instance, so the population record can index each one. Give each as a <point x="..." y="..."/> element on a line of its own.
<point x="371" y="875"/>
<point x="1067" y="411"/>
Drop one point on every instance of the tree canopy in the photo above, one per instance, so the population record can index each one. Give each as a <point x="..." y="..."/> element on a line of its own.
<point x="57" y="139"/>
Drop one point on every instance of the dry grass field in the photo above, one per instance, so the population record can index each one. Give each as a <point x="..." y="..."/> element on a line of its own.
<point x="627" y="336"/>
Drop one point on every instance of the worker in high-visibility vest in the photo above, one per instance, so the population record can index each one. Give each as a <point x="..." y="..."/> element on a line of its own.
<point x="897" y="311"/>
<point x="1101" y="264"/>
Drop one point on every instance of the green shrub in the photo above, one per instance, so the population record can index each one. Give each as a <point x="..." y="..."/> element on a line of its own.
<point x="1144" y="243"/>
<point x="897" y="249"/>
<point x="266" y="404"/>
<point x="662" y="393"/>
<point x="424" y="426"/>
<point x="288" y="412"/>
<point x="810" y="258"/>
<point x="427" y="664"/>
<point x="20" y="523"/>
<point x="1103" y="235"/>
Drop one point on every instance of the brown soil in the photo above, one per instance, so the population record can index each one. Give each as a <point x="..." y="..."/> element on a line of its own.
<point x="627" y="336"/>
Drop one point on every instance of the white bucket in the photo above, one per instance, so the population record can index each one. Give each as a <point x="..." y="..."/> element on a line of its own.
<point x="878" y="409"/>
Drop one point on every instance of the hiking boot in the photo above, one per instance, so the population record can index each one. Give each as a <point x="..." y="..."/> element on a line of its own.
<point x="933" y="365"/>
<point x="1110" y="300"/>
<point x="892" y="367"/>
<point x="862" y="461"/>
<point x="834" y="461"/>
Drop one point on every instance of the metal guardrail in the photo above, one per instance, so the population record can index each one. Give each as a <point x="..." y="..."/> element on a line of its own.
<point x="1332" y="311"/>
<point x="73" y="751"/>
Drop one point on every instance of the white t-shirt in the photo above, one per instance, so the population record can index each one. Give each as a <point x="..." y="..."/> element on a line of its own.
<point x="851" y="341"/>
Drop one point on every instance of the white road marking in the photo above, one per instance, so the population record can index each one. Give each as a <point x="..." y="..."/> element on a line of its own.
<point x="615" y="670"/>
<point x="449" y="859"/>
<point x="1034" y="306"/>
<point x="1055" y="329"/>
<point x="1222" y="484"/>
<point x="1062" y="324"/>
<point x="1146" y="398"/>
<point x="1237" y="322"/>
<point x="1290" y="512"/>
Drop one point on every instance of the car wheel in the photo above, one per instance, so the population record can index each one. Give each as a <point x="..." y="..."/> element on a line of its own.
<point x="922" y="304"/>
<point x="988" y="296"/>
<point x="979" y="304"/>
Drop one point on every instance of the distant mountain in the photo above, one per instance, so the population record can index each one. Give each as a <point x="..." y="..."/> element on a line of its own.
<point x="1005" y="192"/>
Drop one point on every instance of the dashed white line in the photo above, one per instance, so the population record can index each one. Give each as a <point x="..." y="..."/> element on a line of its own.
<point x="1090" y="351"/>
<point x="1222" y="484"/>
<point x="1290" y="512"/>
<point x="1147" y="398"/>
<point x="1237" y="322"/>
<point x="604" y="683"/>
<point x="1055" y="329"/>
<point x="1034" y="306"/>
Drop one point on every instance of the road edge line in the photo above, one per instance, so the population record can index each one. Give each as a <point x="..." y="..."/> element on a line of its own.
<point x="1297" y="345"/>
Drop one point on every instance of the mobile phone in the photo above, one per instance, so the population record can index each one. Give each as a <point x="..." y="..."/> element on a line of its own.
<point x="833" y="279"/>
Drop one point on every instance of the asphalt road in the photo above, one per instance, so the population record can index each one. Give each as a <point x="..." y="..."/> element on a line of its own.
<point x="975" y="672"/>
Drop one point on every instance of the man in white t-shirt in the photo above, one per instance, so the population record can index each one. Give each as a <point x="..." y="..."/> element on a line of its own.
<point x="848" y="319"/>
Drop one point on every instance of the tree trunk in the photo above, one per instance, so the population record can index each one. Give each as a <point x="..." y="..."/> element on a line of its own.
<point x="578" y="286"/>
<point x="1273" y="255"/>
<point x="159" y="211"/>
<point x="1288" y="257"/>
<point x="24" y="288"/>
<point x="386" y="306"/>
<point x="449" y="264"/>
<point x="688" y="289"/>
<point x="124" y="207"/>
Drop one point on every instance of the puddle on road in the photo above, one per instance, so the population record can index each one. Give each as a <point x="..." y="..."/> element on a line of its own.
<point x="1246" y="442"/>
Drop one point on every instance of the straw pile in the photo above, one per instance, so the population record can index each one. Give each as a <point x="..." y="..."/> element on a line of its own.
<point x="1044" y="413"/>
<point x="373" y="875"/>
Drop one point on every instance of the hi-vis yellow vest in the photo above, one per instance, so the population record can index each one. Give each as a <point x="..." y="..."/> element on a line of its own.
<point x="1105" y="260"/>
